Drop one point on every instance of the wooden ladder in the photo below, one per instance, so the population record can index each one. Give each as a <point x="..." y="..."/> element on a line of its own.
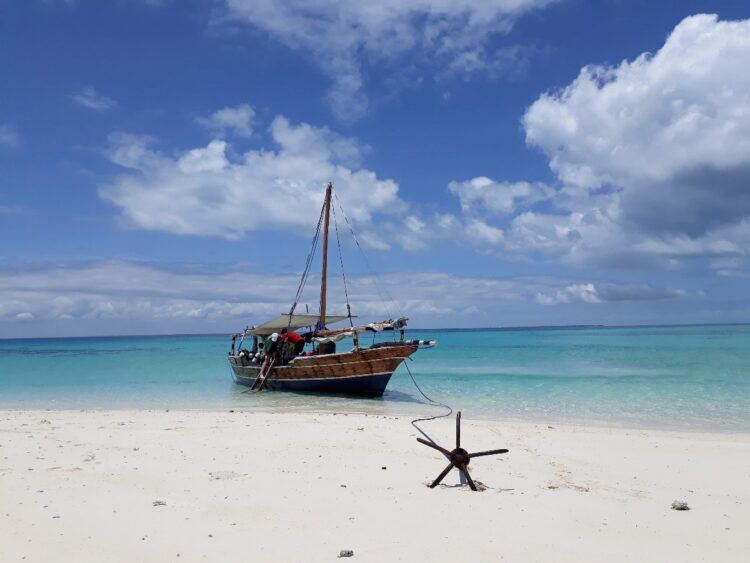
<point x="260" y="381"/>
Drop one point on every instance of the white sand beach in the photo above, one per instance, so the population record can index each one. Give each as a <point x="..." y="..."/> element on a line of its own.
<point x="245" y="486"/>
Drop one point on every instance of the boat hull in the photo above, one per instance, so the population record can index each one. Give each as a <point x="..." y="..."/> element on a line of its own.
<point x="360" y="385"/>
<point x="363" y="373"/>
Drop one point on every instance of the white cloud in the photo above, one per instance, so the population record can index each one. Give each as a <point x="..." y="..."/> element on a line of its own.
<point x="585" y="293"/>
<point x="341" y="36"/>
<point x="671" y="131"/>
<point x="482" y="195"/>
<point x="595" y="294"/>
<point x="116" y="292"/>
<point x="482" y="234"/>
<point x="652" y="157"/>
<point x="8" y="136"/>
<point x="237" y="120"/>
<point x="203" y="192"/>
<point x="91" y="99"/>
<point x="510" y="61"/>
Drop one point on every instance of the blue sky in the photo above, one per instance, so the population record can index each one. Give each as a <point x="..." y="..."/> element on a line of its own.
<point x="163" y="162"/>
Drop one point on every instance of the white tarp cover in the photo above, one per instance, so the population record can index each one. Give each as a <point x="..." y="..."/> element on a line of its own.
<point x="297" y="321"/>
<point x="340" y="334"/>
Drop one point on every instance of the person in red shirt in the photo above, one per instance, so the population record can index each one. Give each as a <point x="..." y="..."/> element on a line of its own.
<point x="296" y="342"/>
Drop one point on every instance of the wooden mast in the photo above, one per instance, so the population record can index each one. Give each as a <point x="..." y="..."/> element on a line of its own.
<point x="324" y="272"/>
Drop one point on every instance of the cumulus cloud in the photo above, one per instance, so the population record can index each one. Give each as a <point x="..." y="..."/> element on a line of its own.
<point x="343" y="36"/>
<point x="482" y="195"/>
<point x="89" y="98"/>
<point x="672" y="129"/>
<point x="237" y="120"/>
<point x="8" y="136"/>
<point x="652" y="156"/>
<point x="203" y="192"/>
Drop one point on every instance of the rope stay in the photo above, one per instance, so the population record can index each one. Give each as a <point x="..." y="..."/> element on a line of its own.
<point x="308" y="265"/>
<point x="341" y="261"/>
<point x="385" y="296"/>
<point x="383" y="293"/>
<point x="380" y="288"/>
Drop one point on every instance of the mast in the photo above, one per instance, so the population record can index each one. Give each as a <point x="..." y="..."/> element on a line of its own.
<point x="324" y="272"/>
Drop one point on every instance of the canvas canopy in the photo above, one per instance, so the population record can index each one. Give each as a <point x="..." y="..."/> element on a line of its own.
<point x="296" y="321"/>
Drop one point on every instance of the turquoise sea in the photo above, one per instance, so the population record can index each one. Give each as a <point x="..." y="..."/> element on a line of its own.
<point x="688" y="377"/>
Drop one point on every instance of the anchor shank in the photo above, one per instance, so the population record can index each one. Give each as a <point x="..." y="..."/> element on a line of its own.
<point x="443" y="451"/>
<point x="489" y="452"/>
<point x="458" y="429"/>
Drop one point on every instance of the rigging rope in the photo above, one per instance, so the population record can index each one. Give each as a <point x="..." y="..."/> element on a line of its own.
<point x="308" y="264"/>
<point x="379" y="286"/>
<point x="386" y="298"/>
<point x="341" y="261"/>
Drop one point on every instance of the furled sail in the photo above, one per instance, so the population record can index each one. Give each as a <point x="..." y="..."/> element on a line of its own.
<point x="349" y="332"/>
<point x="292" y="322"/>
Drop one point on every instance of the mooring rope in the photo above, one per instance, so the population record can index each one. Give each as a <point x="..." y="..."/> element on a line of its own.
<point x="432" y="402"/>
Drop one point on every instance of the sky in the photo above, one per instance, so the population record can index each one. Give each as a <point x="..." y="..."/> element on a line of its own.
<point x="501" y="162"/>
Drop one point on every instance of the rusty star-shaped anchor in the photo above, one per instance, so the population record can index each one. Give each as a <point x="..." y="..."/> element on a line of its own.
<point x="458" y="457"/>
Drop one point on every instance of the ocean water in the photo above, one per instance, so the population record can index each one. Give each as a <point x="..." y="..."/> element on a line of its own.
<point x="694" y="377"/>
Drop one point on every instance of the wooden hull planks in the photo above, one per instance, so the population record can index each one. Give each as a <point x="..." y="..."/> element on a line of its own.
<point x="364" y="372"/>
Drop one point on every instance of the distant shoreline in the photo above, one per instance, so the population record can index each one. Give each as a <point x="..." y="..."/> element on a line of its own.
<point x="442" y="329"/>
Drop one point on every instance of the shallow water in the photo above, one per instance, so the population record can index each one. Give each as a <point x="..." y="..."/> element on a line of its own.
<point x="695" y="377"/>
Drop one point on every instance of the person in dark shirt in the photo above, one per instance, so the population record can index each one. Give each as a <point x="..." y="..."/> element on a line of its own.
<point x="271" y="345"/>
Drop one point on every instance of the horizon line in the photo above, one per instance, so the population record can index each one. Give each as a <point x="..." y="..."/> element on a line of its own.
<point x="439" y="329"/>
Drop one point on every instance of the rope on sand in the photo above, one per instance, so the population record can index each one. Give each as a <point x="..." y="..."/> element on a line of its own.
<point x="431" y="402"/>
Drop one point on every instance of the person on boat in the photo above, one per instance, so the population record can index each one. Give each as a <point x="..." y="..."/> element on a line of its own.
<point x="272" y="344"/>
<point x="294" y="341"/>
<point x="271" y="347"/>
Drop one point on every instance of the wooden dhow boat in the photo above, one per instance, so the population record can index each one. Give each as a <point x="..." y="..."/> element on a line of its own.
<point x="267" y="357"/>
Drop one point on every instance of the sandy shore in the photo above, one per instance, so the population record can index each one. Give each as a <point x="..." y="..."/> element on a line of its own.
<point x="155" y="486"/>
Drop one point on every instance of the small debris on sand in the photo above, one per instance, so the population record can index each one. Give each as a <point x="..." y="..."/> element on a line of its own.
<point x="159" y="503"/>
<point x="680" y="505"/>
<point x="346" y="553"/>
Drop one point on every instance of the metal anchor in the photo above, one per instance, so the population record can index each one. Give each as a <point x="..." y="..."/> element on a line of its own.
<point x="458" y="457"/>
